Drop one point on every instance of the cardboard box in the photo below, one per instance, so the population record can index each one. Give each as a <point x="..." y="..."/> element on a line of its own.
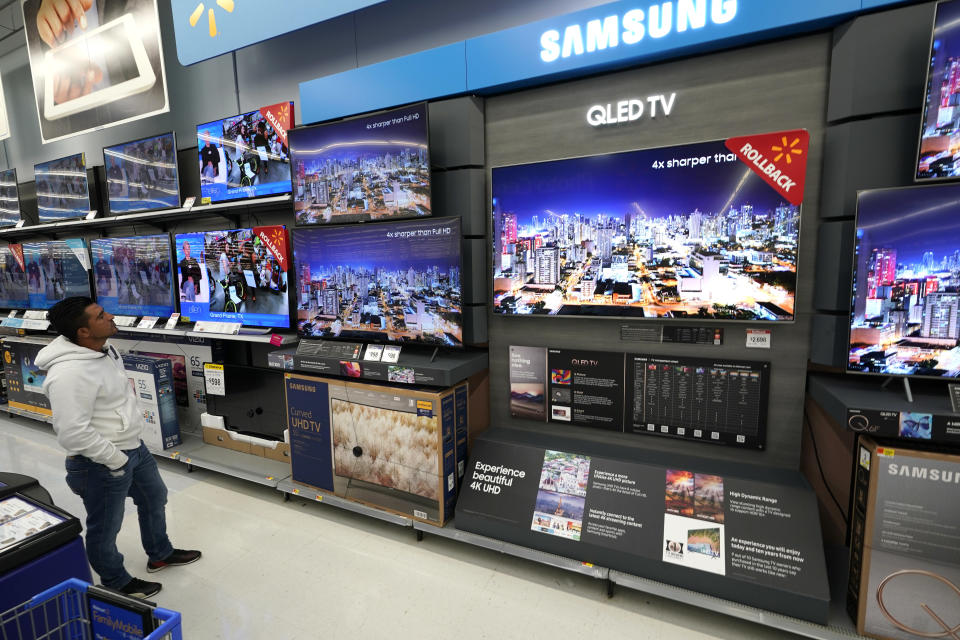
<point x="389" y="447"/>
<point x="216" y="434"/>
<point x="904" y="577"/>
<point x="24" y="379"/>
<point x="152" y="380"/>
<point x="225" y="439"/>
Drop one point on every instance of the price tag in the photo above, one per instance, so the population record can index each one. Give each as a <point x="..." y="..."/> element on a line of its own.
<point x="229" y="328"/>
<point x="214" y="379"/>
<point x="91" y="214"/>
<point x="759" y="338"/>
<point x="42" y="325"/>
<point x="35" y="315"/>
<point x="124" y="321"/>
<point x="391" y="354"/>
<point x="374" y="353"/>
<point x="172" y="321"/>
<point x="19" y="224"/>
<point x="12" y="314"/>
<point x="148" y="322"/>
<point x="188" y="202"/>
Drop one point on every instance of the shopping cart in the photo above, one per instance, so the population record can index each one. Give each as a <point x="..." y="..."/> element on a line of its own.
<point x="62" y="613"/>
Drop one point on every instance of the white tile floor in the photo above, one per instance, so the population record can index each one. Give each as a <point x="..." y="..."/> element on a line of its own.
<point x="301" y="569"/>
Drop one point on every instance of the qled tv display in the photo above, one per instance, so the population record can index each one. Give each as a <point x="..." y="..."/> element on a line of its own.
<point x="246" y="156"/>
<point x="239" y="275"/>
<point x="371" y="168"/>
<point x="939" y="148"/>
<point x="9" y="198"/>
<point x="62" y="191"/>
<point x="906" y="291"/>
<point x="142" y="175"/>
<point x="644" y="234"/>
<point x="393" y="282"/>
<point x="56" y="269"/>
<point x="132" y="276"/>
<point x="13" y="278"/>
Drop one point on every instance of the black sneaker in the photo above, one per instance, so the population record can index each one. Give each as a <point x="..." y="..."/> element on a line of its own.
<point x="138" y="588"/>
<point x="177" y="558"/>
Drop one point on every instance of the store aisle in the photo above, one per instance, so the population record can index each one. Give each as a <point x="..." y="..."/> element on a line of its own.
<point x="283" y="571"/>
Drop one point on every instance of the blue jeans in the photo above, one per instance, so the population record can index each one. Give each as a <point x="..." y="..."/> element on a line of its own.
<point x="104" y="496"/>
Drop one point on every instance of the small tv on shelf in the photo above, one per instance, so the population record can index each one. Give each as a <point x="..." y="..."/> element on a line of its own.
<point x="142" y="175"/>
<point x="938" y="154"/>
<point x="235" y="275"/>
<point x="133" y="276"/>
<point x="62" y="189"/>
<point x="245" y="156"/>
<point x="905" y="307"/>
<point x="375" y="167"/>
<point x="643" y="234"/>
<point x="56" y="269"/>
<point x="9" y="198"/>
<point x="397" y="282"/>
<point x="13" y="278"/>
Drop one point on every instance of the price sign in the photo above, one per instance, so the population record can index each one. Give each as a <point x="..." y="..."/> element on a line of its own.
<point x="124" y="321"/>
<point x="229" y="328"/>
<point x="172" y="321"/>
<point x="148" y="322"/>
<point x="759" y="339"/>
<point x="214" y="379"/>
<point x="35" y="315"/>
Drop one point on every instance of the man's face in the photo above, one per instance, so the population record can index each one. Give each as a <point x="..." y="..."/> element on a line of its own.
<point x="100" y="324"/>
<point x="186" y="250"/>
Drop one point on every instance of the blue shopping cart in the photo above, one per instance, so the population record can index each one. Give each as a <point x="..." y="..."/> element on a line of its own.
<point x="62" y="613"/>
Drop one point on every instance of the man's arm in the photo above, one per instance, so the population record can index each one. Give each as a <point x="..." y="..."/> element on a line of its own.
<point x="72" y="411"/>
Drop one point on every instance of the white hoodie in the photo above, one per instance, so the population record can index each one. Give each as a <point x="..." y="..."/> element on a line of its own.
<point x="95" y="411"/>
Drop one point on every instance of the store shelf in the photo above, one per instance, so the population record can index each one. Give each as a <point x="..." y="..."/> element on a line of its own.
<point x="296" y="489"/>
<point x="25" y="414"/>
<point x="449" y="531"/>
<point x="245" y="466"/>
<point x="155" y="331"/>
<point x="264" y="338"/>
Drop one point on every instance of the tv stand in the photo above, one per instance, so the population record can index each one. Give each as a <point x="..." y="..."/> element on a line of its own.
<point x="906" y="387"/>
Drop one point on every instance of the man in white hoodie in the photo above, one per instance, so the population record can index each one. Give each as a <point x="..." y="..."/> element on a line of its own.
<point x="98" y="422"/>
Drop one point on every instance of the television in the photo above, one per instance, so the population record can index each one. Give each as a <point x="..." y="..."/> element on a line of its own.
<point x="142" y="175"/>
<point x="938" y="153"/>
<point x="375" y="167"/>
<point x="905" y="304"/>
<point x="389" y="282"/>
<point x="9" y="198"/>
<point x="132" y="276"/>
<point x="56" y="269"/>
<point x="256" y="403"/>
<point x="13" y="278"/>
<point x="237" y="275"/>
<point x="62" y="190"/>
<point x="245" y="156"/>
<point x="643" y="234"/>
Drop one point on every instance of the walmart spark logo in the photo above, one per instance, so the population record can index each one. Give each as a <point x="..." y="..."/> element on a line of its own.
<point x="787" y="150"/>
<point x="226" y="5"/>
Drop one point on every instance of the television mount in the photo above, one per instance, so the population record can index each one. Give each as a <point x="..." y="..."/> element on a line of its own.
<point x="906" y="386"/>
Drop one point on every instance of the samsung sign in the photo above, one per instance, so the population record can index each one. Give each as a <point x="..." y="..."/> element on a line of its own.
<point x="631" y="27"/>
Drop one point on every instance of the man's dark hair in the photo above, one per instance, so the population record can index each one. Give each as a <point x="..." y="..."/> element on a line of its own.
<point x="70" y="315"/>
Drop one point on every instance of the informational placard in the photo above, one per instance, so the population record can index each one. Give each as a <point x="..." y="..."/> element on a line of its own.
<point x="148" y="322"/>
<point x="586" y="388"/>
<point x="227" y="328"/>
<point x="21" y="519"/>
<point x="330" y="349"/>
<point x="954" y="390"/>
<point x="172" y="321"/>
<point x="124" y="321"/>
<point x="908" y="425"/>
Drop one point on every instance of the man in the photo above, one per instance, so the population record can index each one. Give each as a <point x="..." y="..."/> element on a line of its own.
<point x="98" y="422"/>
<point x="209" y="158"/>
<point x="189" y="270"/>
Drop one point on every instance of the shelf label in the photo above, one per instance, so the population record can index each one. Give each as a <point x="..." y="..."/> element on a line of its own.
<point x="124" y="321"/>
<point x="172" y="321"/>
<point x="229" y="328"/>
<point x="14" y="323"/>
<point x="276" y="339"/>
<point x="91" y="214"/>
<point x="35" y="315"/>
<point x="148" y="322"/>
<point x="42" y="325"/>
<point x="391" y="354"/>
<point x="214" y="378"/>
<point x="188" y="202"/>
<point x="12" y="314"/>
<point x="759" y="338"/>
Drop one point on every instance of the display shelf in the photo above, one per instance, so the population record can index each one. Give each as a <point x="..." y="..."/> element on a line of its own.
<point x="14" y="411"/>
<point x="449" y="531"/>
<point x="196" y="453"/>
<point x="290" y="487"/>
<point x="264" y="338"/>
<point x="154" y="331"/>
<point x="837" y="394"/>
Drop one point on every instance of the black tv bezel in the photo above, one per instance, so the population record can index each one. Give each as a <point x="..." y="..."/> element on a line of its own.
<point x="491" y="245"/>
<point x="19" y="200"/>
<point x="853" y="284"/>
<point x="106" y="177"/>
<point x="86" y="178"/>
<point x="363" y="339"/>
<point x="369" y="114"/>
<point x="245" y="198"/>
<point x="170" y="255"/>
<point x="86" y="246"/>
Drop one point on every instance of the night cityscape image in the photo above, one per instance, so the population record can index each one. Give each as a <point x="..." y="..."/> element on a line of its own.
<point x="397" y="282"/>
<point x="940" y="137"/>
<point x="371" y="168"/>
<point x="906" y="293"/>
<point x="644" y="234"/>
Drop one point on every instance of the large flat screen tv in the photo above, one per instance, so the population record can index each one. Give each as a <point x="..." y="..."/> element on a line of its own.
<point x="375" y="167"/>
<point x="237" y="275"/>
<point x="9" y="198"/>
<point x="13" y="278"/>
<point x="644" y="234"/>
<point x="56" y="269"/>
<point x="939" y="148"/>
<point x="142" y="175"/>
<point x="390" y="282"/>
<point x="62" y="190"/>
<point x="246" y="156"/>
<point x="904" y="318"/>
<point x="132" y="276"/>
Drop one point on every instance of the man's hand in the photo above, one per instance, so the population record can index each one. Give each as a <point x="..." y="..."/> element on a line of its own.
<point x="55" y="18"/>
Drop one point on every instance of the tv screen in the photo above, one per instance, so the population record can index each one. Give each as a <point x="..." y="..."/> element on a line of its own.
<point x="906" y="288"/>
<point x="62" y="191"/>
<point x="56" y="269"/>
<point x="13" y="278"/>
<point x="644" y="234"/>
<point x="238" y="275"/>
<point x="142" y="175"/>
<point x="939" y="148"/>
<point x="246" y="156"/>
<point x="9" y="198"/>
<point x="371" y="168"/>
<point x="132" y="276"/>
<point x="255" y="406"/>
<point x="395" y="282"/>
